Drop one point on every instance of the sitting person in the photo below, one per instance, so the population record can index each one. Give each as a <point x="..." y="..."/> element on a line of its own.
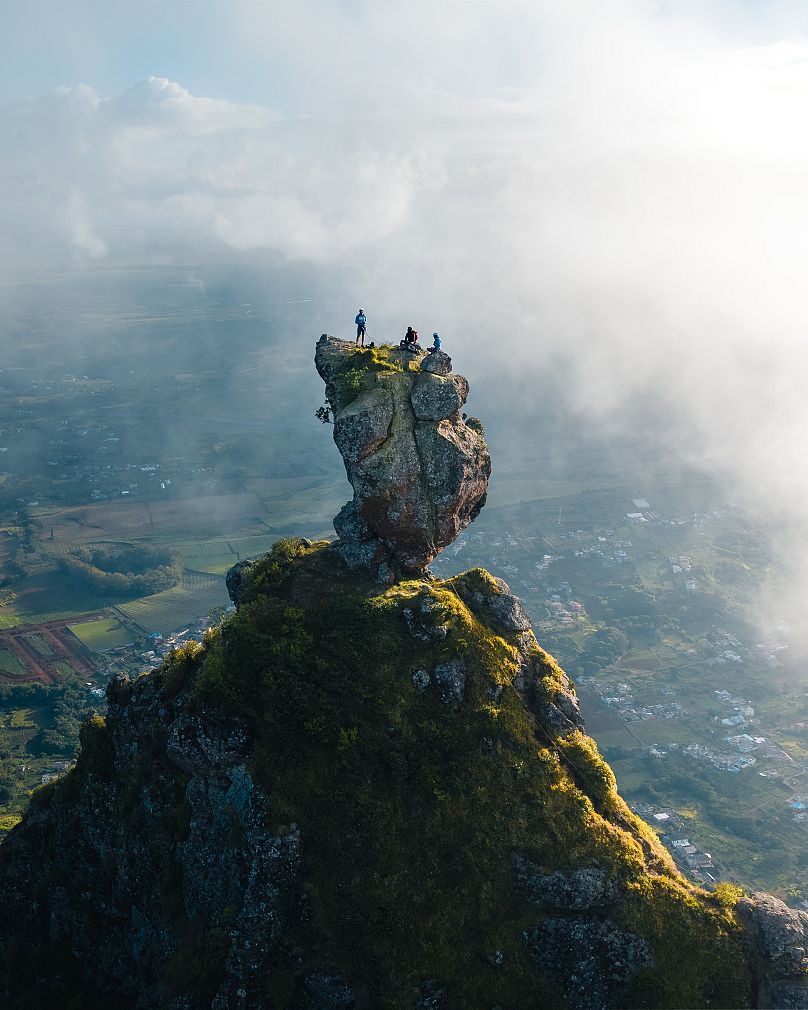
<point x="435" y="344"/>
<point x="410" y="341"/>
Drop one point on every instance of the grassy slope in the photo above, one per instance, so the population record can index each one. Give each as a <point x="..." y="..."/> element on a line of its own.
<point x="410" y="809"/>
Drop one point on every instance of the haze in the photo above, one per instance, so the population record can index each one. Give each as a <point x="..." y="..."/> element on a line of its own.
<point x="606" y="201"/>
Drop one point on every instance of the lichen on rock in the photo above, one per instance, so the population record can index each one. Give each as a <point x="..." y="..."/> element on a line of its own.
<point x="418" y="471"/>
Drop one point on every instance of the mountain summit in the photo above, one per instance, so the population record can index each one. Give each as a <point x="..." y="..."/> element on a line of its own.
<point x="418" y="469"/>
<point x="365" y="789"/>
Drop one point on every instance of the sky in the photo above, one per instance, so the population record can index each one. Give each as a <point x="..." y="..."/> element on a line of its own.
<point x="612" y="194"/>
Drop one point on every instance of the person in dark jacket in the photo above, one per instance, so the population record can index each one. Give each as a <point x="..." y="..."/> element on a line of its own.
<point x="410" y="341"/>
<point x="360" y="321"/>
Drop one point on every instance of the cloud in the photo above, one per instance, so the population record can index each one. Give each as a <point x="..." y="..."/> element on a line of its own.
<point x="157" y="164"/>
<point x="608" y="195"/>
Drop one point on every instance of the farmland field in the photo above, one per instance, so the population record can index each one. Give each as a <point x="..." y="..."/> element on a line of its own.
<point x="65" y="668"/>
<point x="211" y="556"/>
<point x="215" y="557"/>
<point x="39" y="644"/>
<point x="9" y="664"/>
<point x="100" y="635"/>
<point x="83" y="523"/>
<point x="41" y="599"/>
<point x="252" y="546"/>
<point x="168" y="610"/>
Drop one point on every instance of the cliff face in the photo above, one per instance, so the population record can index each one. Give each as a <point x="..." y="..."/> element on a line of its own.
<point x="418" y="470"/>
<point x="354" y="795"/>
<point x="149" y="871"/>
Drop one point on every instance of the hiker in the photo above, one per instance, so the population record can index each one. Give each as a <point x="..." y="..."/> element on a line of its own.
<point x="435" y="344"/>
<point x="410" y="341"/>
<point x="360" y="321"/>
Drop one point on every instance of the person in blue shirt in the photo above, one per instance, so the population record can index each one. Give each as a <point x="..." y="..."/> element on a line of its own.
<point x="435" y="343"/>
<point x="360" y="327"/>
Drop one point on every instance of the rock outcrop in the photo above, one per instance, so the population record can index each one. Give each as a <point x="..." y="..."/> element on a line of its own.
<point x="157" y="852"/>
<point x="418" y="469"/>
<point x="778" y="945"/>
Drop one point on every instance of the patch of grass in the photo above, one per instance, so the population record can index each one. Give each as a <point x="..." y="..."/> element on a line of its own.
<point x="8" y="821"/>
<point x="107" y="633"/>
<point x="10" y="664"/>
<point x="356" y="372"/>
<point x="21" y="719"/>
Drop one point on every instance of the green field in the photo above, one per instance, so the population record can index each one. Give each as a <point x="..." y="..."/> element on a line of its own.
<point x="252" y="546"/>
<point x="20" y="718"/>
<point x="211" y="556"/>
<point x="215" y="557"/>
<point x="169" y="610"/>
<point x="40" y="599"/>
<point x="98" y="636"/>
<point x="306" y="503"/>
<point x="39" y="644"/>
<point x="9" y="664"/>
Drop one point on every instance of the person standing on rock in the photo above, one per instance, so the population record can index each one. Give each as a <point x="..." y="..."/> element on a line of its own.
<point x="360" y="321"/>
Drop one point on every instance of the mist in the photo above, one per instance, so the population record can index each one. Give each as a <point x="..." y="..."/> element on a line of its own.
<point x="604" y="213"/>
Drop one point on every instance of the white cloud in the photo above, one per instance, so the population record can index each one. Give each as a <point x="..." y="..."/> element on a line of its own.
<point x="585" y="188"/>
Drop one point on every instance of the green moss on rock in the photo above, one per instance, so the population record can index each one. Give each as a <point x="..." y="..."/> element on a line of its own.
<point x="96" y="753"/>
<point x="389" y="755"/>
<point x="359" y="369"/>
<point x="411" y="808"/>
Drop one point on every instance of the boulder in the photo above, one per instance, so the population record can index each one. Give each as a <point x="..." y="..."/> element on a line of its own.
<point x="421" y="680"/>
<point x="777" y="940"/>
<point x="436" y="397"/>
<point x="506" y="610"/>
<point x="438" y="362"/>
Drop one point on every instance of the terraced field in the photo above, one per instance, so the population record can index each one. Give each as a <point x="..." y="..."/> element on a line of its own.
<point x="164" y="612"/>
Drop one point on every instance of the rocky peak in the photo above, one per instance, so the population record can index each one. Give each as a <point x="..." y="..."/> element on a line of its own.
<point x="418" y="468"/>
